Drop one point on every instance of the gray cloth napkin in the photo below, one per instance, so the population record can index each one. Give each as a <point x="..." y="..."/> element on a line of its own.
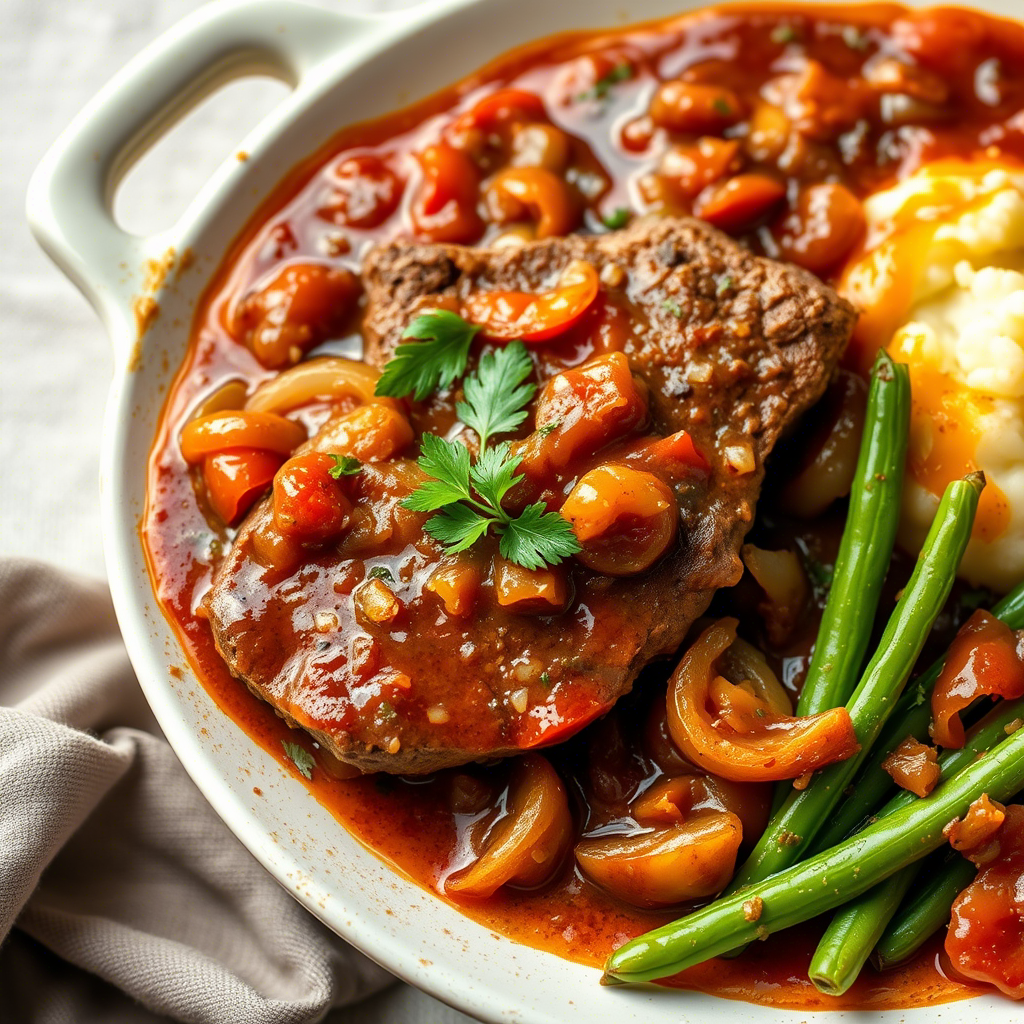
<point x="123" y="897"/>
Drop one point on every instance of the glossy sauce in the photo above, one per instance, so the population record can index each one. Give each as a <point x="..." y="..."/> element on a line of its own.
<point x="616" y="155"/>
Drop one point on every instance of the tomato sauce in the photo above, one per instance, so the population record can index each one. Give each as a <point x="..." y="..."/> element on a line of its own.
<point x="876" y="93"/>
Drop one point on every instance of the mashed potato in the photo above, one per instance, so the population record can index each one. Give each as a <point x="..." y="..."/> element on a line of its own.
<point x="942" y="286"/>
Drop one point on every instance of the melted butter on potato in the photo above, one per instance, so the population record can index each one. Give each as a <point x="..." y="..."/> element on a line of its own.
<point x="940" y="283"/>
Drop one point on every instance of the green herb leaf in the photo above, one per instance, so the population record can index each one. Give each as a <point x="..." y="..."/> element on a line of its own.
<point x="724" y="284"/>
<point x="458" y="527"/>
<point x="618" y="218"/>
<point x="601" y="88"/>
<point x="300" y="757"/>
<point x="820" y="574"/>
<point x="434" y="361"/>
<point x="381" y="572"/>
<point x="783" y="34"/>
<point x="536" y="537"/>
<point x="722" y="106"/>
<point x="549" y="427"/>
<point x="673" y="307"/>
<point x="496" y="395"/>
<point x="344" y="465"/>
<point x="494" y="472"/>
<point x="386" y="711"/>
<point x="447" y="465"/>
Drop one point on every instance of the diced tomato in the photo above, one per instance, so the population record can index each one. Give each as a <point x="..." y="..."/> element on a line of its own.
<point x="985" y="658"/>
<point x="309" y="503"/>
<point x="299" y="307"/>
<point x="675" y="455"/>
<point x="737" y="203"/>
<point x="581" y="410"/>
<point x="506" y="105"/>
<point x="534" y="317"/>
<point x="444" y="209"/>
<point x="235" y="479"/>
<point x="985" y="940"/>
<point x="366" y="192"/>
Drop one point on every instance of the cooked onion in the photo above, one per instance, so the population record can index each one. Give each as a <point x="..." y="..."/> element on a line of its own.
<point x="329" y="378"/>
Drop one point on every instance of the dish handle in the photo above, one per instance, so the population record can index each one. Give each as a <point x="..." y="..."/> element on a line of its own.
<point x="70" y="196"/>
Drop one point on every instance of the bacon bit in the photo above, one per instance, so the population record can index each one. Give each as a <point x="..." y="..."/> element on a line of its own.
<point x="913" y="766"/>
<point x="971" y="835"/>
<point x="752" y="909"/>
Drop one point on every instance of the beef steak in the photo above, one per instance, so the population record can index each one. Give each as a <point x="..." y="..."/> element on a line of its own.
<point x="732" y="347"/>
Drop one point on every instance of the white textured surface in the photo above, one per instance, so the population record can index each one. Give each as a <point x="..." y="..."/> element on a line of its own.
<point x="55" y="365"/>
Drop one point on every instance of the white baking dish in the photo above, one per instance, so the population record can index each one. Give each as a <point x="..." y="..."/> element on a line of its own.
<point x="342" y="68"/>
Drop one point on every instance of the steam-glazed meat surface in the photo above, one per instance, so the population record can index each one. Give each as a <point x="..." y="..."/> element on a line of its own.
<point x="729" y="347"/>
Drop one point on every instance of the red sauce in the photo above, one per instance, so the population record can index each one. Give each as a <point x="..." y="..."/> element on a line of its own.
<point x="712" y="145"/>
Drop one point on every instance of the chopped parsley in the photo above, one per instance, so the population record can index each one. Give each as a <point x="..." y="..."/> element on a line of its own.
<point x="619" y="218"/>
<point x="600" y="89"/>
<point x="819" y="574"/>
<point x="549" y="427"/>
<point x="724" y="284"/>
<point x="673" y="307"/>
<point x="783" y="34"/>
<point x="381" y="572"/>
<point x="434" y="360"/>
<point x="300" y="757"/>
<point x="344" y="465"/>
<point x="722" y="106"/>
<point x="386" y="711"/>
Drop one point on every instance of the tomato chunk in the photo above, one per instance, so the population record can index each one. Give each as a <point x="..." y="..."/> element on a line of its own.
<point x="444" y="208"/>
<point x="581" y="410"/>
<point x="985" y="658"/>
<point x="625" y="519"/>
<point x="366" y="192"/>
<point x="235" y="479"/>
<point x="531" y="317"/>
<point x="985" y="940"/>
<point x="309" y="503"/>
<point x="299" y="307"/>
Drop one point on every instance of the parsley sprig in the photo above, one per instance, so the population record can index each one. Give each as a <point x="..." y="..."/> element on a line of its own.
<point x="468" y="496"/>
<point x="435" y="359"/>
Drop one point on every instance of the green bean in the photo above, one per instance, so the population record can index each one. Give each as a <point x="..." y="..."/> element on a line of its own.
<point x="823" y="882"/>
<point x="927" y="911"/>
<point x="910" y="718"/>
<point x="853" y="932"/>
<point x="866" y="547"/>
<point x="857" y="927"/>
<point x="790" y="832"/>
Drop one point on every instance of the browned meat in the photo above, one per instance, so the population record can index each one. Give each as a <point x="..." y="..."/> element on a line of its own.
<point x="732" y="347"/>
